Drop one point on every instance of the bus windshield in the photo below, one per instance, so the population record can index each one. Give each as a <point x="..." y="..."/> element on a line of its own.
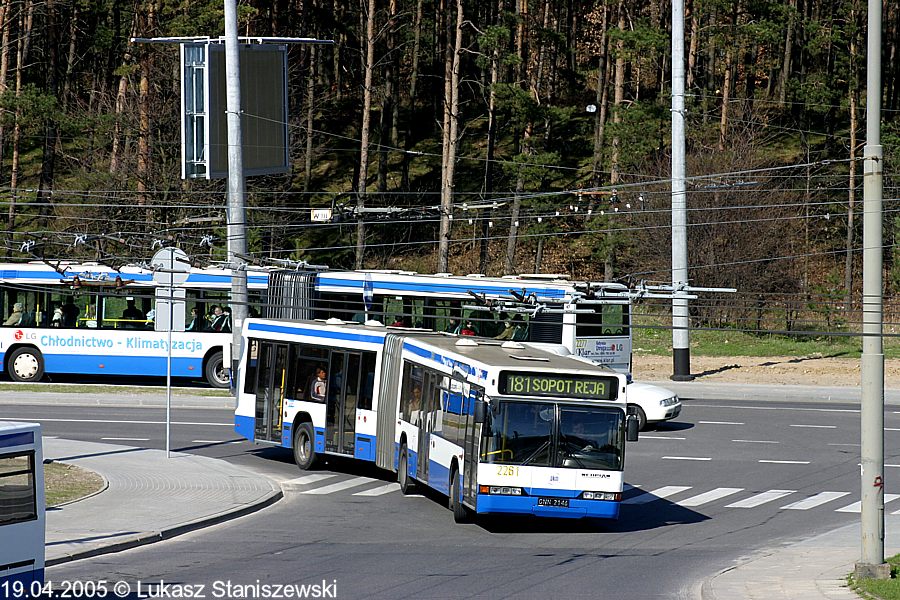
<point x="547" y="434"/>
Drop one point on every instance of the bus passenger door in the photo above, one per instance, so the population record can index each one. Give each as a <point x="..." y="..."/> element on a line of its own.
<point x="270" y="390"/>
<point x="343" y="393"/>
<point x="429" y="407"/>
<point x="471" y="445"/>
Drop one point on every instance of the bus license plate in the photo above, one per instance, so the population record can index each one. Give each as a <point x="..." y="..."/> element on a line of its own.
<point x="560" y="502"/>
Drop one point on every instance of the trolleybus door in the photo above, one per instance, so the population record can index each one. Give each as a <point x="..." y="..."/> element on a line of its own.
<point x="429" y="409"/>
<point x="343" y="394"/>
<point x="272" y="373"/>
<point x="471" y="447"/>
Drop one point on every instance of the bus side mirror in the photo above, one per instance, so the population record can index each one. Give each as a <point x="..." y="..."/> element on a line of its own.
<point x="632" y="427"/>
<point x="479" y="411"/>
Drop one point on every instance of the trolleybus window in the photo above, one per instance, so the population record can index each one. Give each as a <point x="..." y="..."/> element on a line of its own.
<point x="520" y="434"/>
<point x="589" y="438"/>
<point x="17" y="491"/>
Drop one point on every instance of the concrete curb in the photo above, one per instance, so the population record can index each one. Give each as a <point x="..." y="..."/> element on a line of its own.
<point x="695" y="390"/>
<point x="171" y="532"/>
<point x="112" y="400"/>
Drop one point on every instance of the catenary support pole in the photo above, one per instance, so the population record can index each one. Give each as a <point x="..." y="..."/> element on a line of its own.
<point x="871" y="562"/>
<point x="237" y="225"/>
<point x="681" y="341"/>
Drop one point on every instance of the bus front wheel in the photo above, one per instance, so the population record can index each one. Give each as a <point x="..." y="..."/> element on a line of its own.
<point x="304" y="447"/>
<point x="25" y="364"/>
<point x="460" y="513"/>
<point x="406" y="484"/>
<point x="215" y="372"/>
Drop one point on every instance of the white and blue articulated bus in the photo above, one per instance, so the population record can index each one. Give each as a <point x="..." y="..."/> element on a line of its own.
<point x="89" y="319"/>
<point x="590" y="319"/>
<point x="21" y="510"/>
<point x="497" y="426"/>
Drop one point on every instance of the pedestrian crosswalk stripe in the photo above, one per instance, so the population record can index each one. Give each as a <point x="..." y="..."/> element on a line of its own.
<point x="340" y="485"/>
<point x="657" y="494"/>
<point x="380" y="490"/>
<point x="709" y="496"/>
<point x="854" y="508"/>
<point x="759" y="499"/>
<point x="307" y="479"/>
<point x="813" y="501"/>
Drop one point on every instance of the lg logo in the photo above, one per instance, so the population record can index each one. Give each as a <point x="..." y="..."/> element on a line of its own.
<point x="19" y="334"/>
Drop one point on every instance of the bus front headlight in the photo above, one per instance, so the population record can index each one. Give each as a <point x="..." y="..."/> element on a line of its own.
<point x="608" y="496"/>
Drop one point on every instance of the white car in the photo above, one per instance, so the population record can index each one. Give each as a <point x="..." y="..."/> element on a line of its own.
<point x="652" y="404"/>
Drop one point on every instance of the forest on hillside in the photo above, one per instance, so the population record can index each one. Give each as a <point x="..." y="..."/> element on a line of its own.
<point x="503" y="135"/>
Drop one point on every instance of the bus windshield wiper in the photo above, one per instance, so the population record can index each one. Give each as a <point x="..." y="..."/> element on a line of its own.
<point x="534" y="454"/>
<point x="569" y="454"/>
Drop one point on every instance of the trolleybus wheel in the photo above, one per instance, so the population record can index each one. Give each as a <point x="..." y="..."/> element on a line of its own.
<point x="304" y="446"/>
<point x="25" y="364"/>
<point x="638" y="412"/>
<point x="460" y="513"/>
<point x="406" y="484"/>
<point x="215" y="373"/>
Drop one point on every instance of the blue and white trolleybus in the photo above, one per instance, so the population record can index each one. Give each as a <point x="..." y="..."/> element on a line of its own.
<point x="497" y="426"/>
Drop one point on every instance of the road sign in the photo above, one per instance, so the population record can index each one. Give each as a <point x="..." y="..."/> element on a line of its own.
<point x="170" y="267"/>
<point x="169" y="310"/>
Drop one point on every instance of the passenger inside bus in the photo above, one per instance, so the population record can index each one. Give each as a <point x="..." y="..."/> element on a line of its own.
<point x="132" y="314"/>
<point x="15" y="317"/>
<point x="70" y="313"/>
<point x="468" y="328"/>
<point x="197" y="322"/>
<point x="318" y="385"/>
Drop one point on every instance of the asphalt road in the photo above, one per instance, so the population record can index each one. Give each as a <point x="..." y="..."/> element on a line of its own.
<point x="724" y="480"/>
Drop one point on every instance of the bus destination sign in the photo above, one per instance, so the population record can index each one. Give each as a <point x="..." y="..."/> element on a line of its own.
<point x="558" y="385"/>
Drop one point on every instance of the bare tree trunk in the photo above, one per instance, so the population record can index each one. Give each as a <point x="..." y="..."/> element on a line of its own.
<point x="25" y="21"/>
<point x="115" y="151"/>
<point x="516" y="207"/>
<point x="693" y="45"/>
<point x="6" y="21"/>
<point x="413" y="83"/>
<point x="369" y="66"/>
<point x="451" y="142"/>
<point x="388" y="126"/>
<point x="143" y="158"/>
<point x="851" y="194"/>
<point x="601" y="97"/>
<point x="489" y="155"/>
<point x="71" y="56"/>
<point x="51" y="131"/>
<point x="310" y="115"/>
<point x="609" y="263"/>
<point x="788" y="49"/>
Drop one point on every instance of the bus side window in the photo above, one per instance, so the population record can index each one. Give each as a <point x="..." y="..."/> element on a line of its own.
<point x="367" y="388"/>
<point x="250" y="369"/>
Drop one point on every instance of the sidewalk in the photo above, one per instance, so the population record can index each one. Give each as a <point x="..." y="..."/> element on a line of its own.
<point x="165" y="497"/>
<point x="815" y="569"/>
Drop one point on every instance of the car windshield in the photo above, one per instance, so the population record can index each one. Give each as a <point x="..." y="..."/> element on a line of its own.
<point x="550" y="434"/>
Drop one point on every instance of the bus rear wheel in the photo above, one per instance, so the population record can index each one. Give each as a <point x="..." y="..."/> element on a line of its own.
<point x="25" y="365"/>
<point x="214" y="371"/>
<point x="406" y="483"/>
<point x="304" y="447"/>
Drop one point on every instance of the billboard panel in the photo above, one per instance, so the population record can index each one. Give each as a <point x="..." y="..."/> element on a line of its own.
<point x="263" y="110"/>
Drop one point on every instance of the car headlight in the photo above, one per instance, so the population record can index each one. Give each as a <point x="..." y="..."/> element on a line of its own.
<point x="669" y="401"/>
